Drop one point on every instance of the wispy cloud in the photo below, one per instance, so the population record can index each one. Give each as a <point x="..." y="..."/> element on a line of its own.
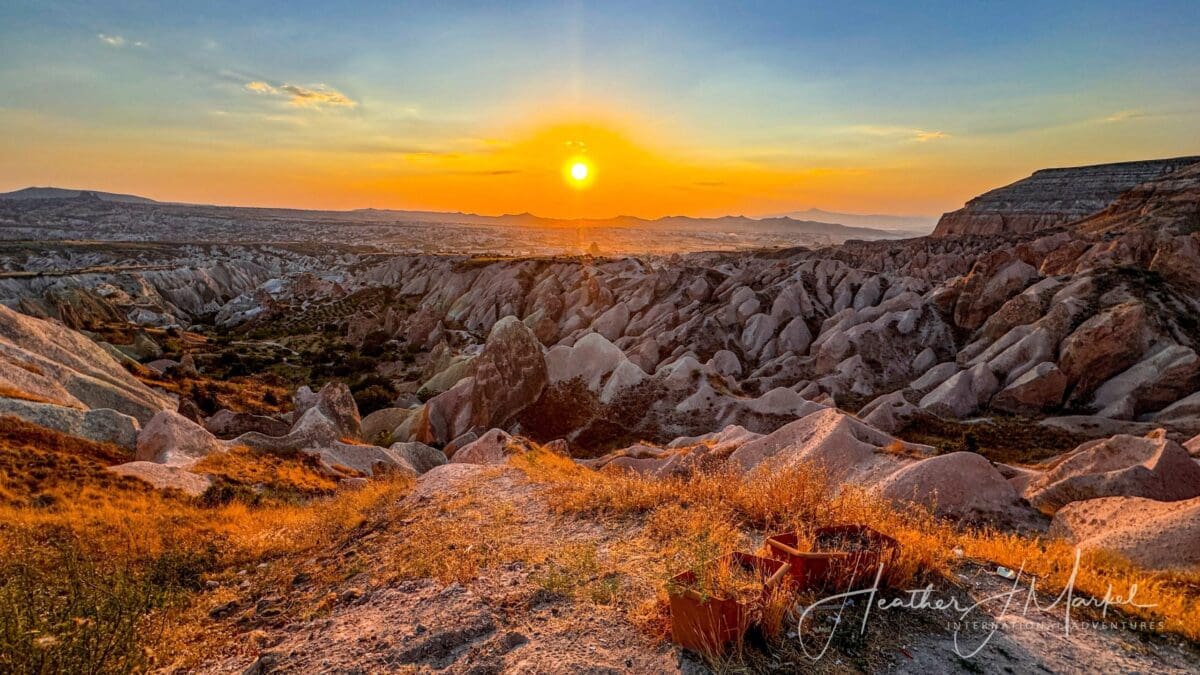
<point x="907" y="133"/>
<point x="1124" y="115"/>
<point x="118" y="41"/>
<point x="303" y="97"/>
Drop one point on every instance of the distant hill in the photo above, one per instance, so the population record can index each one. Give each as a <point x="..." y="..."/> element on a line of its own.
<point x="915" y="225"/>
<point x="783" y="224"/>
<point x="829" y="227"/>
<point x="63" y="193"/>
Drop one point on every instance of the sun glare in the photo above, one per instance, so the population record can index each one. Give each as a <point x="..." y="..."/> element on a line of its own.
<point x="578" y="172"/>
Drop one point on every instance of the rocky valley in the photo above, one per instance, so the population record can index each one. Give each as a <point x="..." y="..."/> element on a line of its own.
<point x="374" y="442"/>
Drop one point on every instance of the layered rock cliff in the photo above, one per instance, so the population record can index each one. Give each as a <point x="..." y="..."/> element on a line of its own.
<point x="1054" y="197"/>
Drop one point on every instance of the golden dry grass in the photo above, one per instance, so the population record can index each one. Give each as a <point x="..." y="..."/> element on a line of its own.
<point x="59" y="505"/>
<point x="296" y="473"/>
<point x="239" y="394"/>
<point x="21" y="394"/>
<point x="691" y="520"/>
<point x="456" y="538"/>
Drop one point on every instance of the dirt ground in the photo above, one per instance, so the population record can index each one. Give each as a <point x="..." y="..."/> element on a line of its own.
<point x="505" y="619"/>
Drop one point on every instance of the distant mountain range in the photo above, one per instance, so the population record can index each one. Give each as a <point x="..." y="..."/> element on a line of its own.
<point x="837" y="226"/>
<point x="916" y="225"/>
<point x="64" y="193"/>
<point x="782" y="224"/>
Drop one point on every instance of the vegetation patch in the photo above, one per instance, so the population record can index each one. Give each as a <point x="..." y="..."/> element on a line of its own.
<point x="102" y="573"/>
<point x="1011" y="440"/>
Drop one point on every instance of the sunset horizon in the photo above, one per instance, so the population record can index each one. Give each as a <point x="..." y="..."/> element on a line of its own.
<point x="475" y="110"/>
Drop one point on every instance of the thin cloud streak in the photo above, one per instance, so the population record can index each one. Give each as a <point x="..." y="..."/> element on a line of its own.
<point x="303" y="97"/>
<point x="118" y="41"/>
<point x="911" y="134"/>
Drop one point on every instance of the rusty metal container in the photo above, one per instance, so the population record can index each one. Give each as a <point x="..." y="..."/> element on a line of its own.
<point x="709" y="624"/>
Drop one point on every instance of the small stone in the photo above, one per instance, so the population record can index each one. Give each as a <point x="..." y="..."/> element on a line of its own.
<point x="223" y="610"/>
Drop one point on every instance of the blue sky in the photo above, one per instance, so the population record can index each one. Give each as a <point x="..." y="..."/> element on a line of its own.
<point x="365" y="97"/>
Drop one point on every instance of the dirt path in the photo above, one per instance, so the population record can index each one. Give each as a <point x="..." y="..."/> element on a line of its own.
<point x="510" y="617"/>
<point x="503" y="621"/>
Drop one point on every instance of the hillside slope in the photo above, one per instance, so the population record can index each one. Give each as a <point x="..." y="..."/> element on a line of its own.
<point x="1053" y="197"/>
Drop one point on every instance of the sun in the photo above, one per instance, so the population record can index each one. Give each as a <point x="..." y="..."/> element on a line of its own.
<point x="578" y="172"/>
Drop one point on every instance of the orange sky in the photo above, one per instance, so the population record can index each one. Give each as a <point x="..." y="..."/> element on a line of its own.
<point x="686" y="108"/>
<point x="516" y="168"/>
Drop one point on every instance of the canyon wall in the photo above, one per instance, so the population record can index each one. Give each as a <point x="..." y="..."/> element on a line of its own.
<point x="1054" y="197"/>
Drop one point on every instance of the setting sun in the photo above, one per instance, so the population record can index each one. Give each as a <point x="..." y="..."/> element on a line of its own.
<point x="578" y="172"/>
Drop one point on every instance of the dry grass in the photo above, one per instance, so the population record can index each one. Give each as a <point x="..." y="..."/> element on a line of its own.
<point x="21" y="394"/>
<point x="457" y="538"/>
<point x="1012" y="440"/>
<point x="239" y="394"/>
<point x="66" y="523"/>
<point x="70" y="532"/>
<point x="692" y="520"/>
<point x="42" y="467"/>
<point x="296" y="475"/>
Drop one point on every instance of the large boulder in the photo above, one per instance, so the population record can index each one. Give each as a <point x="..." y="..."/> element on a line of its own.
<point x="47" y="362"/>
<point x="321" y="420"/>
<point x="102" y="424"/>
<point x="171" y="438"/>
<point x="1149" y="533"/>
<point x="963" y="393"/>
<point x="1182" y="414"/>
<point x="142" y="348"/>
<point x="443" y="379"/>
<point x="1103" y="346"/>
<point x="494" y="447"/>
<point x="888" y="413"/>
<point x="361" y="458"/>
<point x="845" y="448"/>
<point x="419" y="456"/>
<point x="1161" y="378"/>
<point x="1153" y="467"/>
<point x="510" y="374"/>
<point x="337" y="404"/>
<point x="383" y="423"/>
<point x="229" y="424"/>
<point x="1039" y="389"/>
<point x="934" y="377"/>
<point x="445" y="416"/>
<point x="960" y="485"/>
<point x="165" y="476"/>
<point x="626" y="376"/>
<point x="590" y="359"/>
